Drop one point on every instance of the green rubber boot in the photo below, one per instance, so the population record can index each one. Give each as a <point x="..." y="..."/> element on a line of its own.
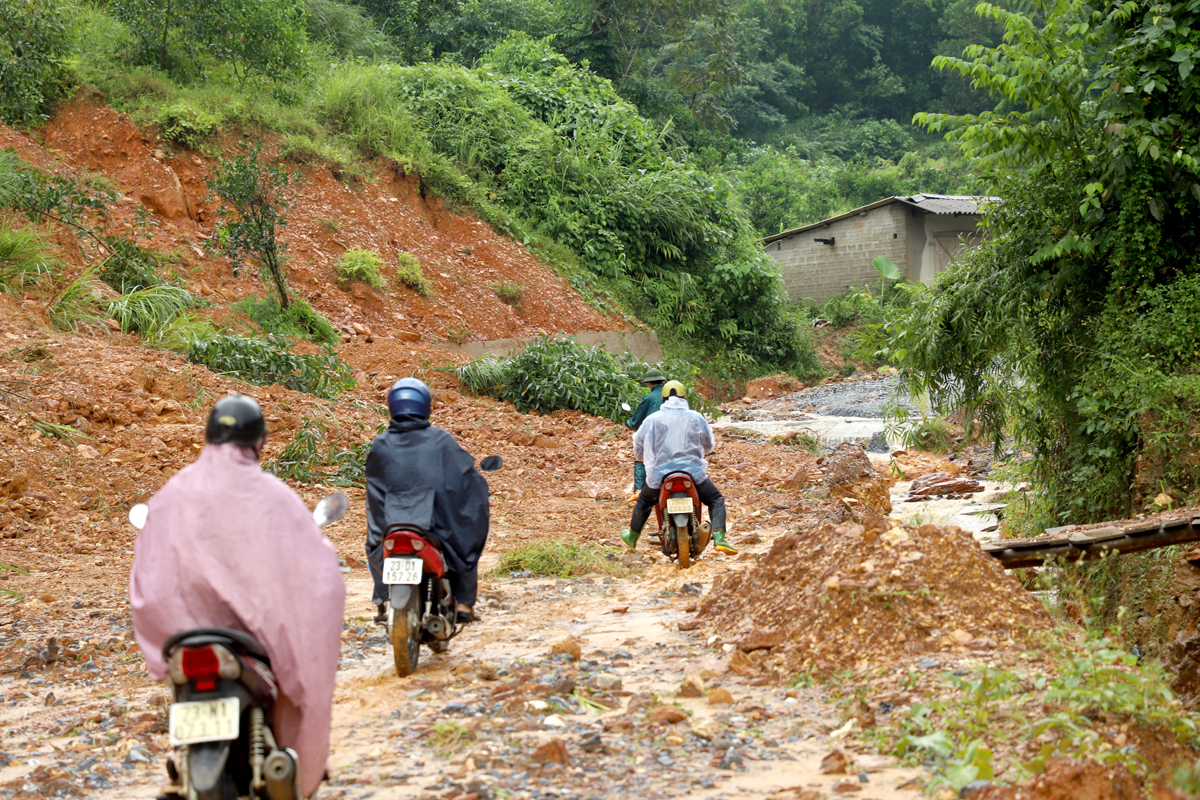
<point x="629" y="538"/>
<point x="722" y="546"/>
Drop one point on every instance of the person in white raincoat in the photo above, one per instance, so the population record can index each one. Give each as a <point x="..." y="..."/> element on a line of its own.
<point x="676" y="439"/>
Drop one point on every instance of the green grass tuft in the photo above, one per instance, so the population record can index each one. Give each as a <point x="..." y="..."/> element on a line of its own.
<point x="148" y="311"/>
<point x="509" y="292"/>
<point x="357" y="264"/>
<point x="558" y="560"/>
<point x="449" y="736"/>
<point x="57" y="431"/>
<point x="25" y="258"/>
<point x="409" y="272"/>
<point x="79" y="304"/>
<point x="933" y="436"/>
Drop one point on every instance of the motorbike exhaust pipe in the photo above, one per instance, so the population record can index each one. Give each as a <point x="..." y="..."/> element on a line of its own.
<point x="279" y="771"/>
<point x="438" y="627"/>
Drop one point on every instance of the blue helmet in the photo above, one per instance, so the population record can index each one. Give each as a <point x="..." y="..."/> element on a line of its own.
<point x="409" y="397"/>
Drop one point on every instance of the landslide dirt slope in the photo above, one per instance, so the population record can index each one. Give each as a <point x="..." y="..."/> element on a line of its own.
<point x="389" y="214"/>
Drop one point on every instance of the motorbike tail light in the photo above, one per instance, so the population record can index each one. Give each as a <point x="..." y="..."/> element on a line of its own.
<point x="203" y="665"/>
<point x="405" y="545"/>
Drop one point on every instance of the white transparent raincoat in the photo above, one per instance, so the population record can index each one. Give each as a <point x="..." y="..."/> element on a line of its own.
<point x="674" y="439"/>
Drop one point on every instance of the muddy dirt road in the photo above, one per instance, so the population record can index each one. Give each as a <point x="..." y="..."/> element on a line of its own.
<point x="498" y="715"/>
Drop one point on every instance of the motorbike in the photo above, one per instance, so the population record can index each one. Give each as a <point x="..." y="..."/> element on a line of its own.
<point x="421" y="605"/>
<point x="224" y="694"/>
<point x="683" y="530"/>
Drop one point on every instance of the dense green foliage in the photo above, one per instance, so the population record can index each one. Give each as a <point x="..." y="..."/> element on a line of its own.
<point x="298" y="320"/>
<point x="549" y="374"/>
<point x="268" y="360"/>
<point x="743" y="65"/>
<point x="315" y="456"/>
<point x="788" y="185"/>
<point x="35" y="42"/>
<point x="1076" y="326"/>
<point x="261" y="38"/>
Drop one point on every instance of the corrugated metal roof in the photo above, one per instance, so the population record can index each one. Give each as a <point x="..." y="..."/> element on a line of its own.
<point x="945" y="203"/>
<point x="949" y="204"/>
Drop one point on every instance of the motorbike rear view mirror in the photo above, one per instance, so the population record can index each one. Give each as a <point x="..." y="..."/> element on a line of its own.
<point x="137" y="515"/>
<point x="331" y="509"/>
<point x="491" y="463"/>
<point x="626" y="407"/>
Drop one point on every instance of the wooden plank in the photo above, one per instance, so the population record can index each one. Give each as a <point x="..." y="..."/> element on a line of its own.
<point x="1101" y="534"/>
<point x="1079" y="545"/>
<point x="1143" y="527"/>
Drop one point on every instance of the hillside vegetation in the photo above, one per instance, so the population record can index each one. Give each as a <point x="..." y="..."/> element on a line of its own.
<point x="613" y="142"/>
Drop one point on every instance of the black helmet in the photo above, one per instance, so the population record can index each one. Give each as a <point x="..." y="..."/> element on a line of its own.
<point x="237" y="419"/>
<point x="409" y="397"/>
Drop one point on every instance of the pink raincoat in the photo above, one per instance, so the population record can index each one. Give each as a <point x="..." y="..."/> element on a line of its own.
<point x="228" y="545"/>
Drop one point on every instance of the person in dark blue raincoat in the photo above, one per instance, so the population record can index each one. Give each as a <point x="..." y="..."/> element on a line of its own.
<point x="419" y="474"/>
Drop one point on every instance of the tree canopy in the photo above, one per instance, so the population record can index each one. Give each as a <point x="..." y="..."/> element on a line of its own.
<point x="1076" y="322"/>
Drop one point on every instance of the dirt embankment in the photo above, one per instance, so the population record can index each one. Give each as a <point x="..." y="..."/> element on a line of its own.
<point x="330" y="213"/>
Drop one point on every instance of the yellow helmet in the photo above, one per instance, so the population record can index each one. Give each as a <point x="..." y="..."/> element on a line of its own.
<point x="674" y="389"/>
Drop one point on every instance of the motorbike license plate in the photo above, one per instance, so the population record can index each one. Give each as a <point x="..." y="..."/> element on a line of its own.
<point x="403" y="570"/>
<point x="204" y="721"/>
<point x="679" y="505"/>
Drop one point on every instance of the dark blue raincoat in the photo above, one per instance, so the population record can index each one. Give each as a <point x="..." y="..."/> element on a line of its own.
<point x="417" y="473"/>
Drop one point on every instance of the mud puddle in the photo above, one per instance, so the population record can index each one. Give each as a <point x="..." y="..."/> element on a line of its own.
<point x="974" y="513"/>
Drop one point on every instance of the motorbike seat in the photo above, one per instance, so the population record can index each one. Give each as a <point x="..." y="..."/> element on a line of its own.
<point x="238" y="641"/>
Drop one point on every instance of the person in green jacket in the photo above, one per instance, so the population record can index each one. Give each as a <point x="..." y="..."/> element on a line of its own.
<point x="650" y="403"/>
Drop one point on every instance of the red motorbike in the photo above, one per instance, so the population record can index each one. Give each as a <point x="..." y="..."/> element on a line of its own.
<point x="684" y="532"/>
<point x="421" y="606"/>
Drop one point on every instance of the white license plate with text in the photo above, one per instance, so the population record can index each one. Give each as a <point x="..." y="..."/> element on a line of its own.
<point x="679" y="505"/>
<point x="403" y="570"/>
<point x="204" y="721"/>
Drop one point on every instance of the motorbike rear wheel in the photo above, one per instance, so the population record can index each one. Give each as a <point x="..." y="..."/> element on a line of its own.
<point x="683" y="546"/>
<point x="405" y="633"/>
<point x="225" y="789"/>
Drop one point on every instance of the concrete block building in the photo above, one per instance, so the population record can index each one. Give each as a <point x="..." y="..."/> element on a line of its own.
<point x="921" y="234"/>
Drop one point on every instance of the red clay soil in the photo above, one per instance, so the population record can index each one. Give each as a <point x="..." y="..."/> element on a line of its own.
<point x="1066" y="779"/>
<point x="461" y="255"/>
<point x="870" y="594"/>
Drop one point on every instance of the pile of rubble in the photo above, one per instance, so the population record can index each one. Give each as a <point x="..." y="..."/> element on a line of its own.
<point x="871" y="593"/>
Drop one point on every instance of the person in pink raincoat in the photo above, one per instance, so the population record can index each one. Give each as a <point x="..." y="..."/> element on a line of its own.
<point x="228" y="545"/>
